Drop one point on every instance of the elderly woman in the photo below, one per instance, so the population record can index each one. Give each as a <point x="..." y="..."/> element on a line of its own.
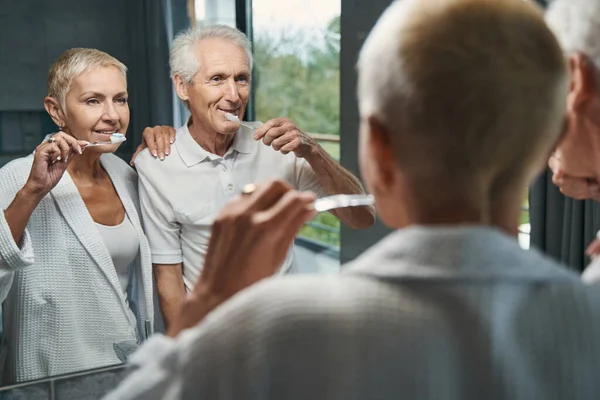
<point x="75" y="268"/>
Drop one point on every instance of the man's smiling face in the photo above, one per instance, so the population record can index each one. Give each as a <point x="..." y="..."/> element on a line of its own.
<point x="221" y="85"/>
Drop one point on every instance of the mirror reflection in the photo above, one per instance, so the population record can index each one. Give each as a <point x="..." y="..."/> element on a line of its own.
<point x="95" y="255"/>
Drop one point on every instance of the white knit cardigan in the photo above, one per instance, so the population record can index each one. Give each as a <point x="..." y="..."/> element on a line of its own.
<point x="63" y="307"/>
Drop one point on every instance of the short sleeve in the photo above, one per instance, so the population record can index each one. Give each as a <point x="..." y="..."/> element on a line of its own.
<point x="306" y="179"/>
<point x="161" y="228"/>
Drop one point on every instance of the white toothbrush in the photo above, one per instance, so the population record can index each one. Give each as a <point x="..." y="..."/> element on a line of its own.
<point x="234" y="118"/>
<point x="114" y="138"/>
<point x="343" y="200"/>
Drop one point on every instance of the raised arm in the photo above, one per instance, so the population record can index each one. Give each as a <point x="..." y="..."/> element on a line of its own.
<point x="319" y="172"/>
<point x="322" y="170"/>
<point x="50" y="162"/>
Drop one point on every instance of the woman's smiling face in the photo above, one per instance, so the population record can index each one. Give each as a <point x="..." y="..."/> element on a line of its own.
<point x="96" y="106"/>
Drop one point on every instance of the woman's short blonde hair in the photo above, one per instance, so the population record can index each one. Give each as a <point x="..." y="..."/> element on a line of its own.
<point x="73" y="63"/>
<point x="473" y="84"/>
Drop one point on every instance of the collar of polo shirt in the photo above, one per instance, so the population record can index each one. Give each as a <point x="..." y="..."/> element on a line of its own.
<point x="192" y="153"/>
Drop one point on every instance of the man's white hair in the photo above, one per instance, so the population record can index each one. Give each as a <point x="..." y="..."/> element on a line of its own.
<point x="576" y="24"/>
<point x="183" y="60"/>
<point x="465" y="88"/>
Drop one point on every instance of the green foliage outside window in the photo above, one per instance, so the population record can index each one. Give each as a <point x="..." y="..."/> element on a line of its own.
<point x="300" y="80"/>
<point x="524" y="211"/>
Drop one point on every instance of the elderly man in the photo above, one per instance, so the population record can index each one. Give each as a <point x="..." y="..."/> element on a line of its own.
<point x="460" y="103"/>
<point x="576" y="161"/>
<point x="213" y="158"/>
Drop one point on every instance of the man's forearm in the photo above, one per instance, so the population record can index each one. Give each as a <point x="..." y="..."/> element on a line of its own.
<point x="337" y="180"/>
<point x="171" y="291"/>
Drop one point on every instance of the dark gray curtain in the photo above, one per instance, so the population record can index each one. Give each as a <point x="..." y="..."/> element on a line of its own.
<point x="560" y="226"/>
<point x="151" y="95"/>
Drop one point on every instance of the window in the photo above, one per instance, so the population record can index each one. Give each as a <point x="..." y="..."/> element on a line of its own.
<point x="210" y="12"/>
<point x="524" y="226"/>
<point x="297" y="75"/>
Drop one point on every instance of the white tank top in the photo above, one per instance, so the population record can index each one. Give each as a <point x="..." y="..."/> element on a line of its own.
<point x="123" y="245"/>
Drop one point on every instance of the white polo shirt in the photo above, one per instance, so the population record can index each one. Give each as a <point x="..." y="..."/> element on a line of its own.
<point x="181" y="195"/>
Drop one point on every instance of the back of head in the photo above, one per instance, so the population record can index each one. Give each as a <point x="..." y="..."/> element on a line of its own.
<point x="73" y="63"/>
<point x="467" y="89"/>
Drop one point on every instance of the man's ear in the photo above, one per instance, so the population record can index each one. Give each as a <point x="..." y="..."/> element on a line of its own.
<point x="584" y="82"/>
<point x="55" y="111"/>
<point x="181" y="87"/>
<point x="380" y="153"/>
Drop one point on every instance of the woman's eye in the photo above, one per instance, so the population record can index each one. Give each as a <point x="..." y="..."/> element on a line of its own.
<point x="122" y="100"/>
<point x="92" y="102"/>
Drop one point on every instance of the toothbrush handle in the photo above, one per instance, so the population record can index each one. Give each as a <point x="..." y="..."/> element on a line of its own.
<point x="244" y="124"/>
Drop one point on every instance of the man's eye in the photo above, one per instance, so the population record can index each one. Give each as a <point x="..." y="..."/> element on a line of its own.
<point x="215" y="79"/>
<point x="242" y="79"/>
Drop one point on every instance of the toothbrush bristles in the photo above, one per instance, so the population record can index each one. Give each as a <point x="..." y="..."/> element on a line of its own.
<point x="232" y="118"/>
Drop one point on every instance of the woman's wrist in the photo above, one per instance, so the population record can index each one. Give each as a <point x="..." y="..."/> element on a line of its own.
<point x="196" y="306"/>
<point x="32" y="192"/>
